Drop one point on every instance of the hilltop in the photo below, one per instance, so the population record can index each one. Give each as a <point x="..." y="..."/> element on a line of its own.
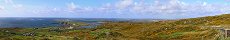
<point x="185" y="29"/>
<point x="218" y="20"/>
<point x="192" y="28"/>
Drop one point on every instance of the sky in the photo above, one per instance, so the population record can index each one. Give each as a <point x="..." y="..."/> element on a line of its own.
<point x="138" y="9"/>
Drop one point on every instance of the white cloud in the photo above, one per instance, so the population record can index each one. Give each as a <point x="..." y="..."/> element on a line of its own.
<point x="8" y="1"/>
<point x="166" y="8"/>
<point x="11" y="6"/>
<point x="71" y="7"/>
<point x="123" y="4"/>
<point x="204" y="3"/>
<point x="19" y="7"/>
<point x="2" y="8"/>
<point x="169" y="7"/>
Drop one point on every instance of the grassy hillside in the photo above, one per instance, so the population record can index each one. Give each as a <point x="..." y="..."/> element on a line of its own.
<point x="184" y="29"/>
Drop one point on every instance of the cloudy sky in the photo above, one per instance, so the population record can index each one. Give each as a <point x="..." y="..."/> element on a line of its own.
<point x="156" y="9"/>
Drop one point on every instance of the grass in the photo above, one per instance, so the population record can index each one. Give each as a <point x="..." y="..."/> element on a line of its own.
<point x="184" y="29"/>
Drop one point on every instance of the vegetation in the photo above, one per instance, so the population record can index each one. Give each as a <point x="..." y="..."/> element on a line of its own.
<point x="184" y="29"/>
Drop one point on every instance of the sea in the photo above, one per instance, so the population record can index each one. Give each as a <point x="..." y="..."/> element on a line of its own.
<point x="19" y="22"/>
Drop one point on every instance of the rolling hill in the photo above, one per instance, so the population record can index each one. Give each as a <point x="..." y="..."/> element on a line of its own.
<point x="200" y="28"/>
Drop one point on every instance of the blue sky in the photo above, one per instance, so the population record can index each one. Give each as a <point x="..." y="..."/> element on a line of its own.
<point x="155" y="9"/>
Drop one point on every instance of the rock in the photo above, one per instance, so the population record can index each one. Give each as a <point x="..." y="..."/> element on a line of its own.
<point x="74" y="24"/>
<point x="35" y="28"/>
<point x="70" y="27"/>
<point x="7" y="31"/>
<point x="28" y="34"/>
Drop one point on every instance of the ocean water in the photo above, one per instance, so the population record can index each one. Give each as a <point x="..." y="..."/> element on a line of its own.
<point x="48" y="22"/>
<point x="27" y="22"/>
